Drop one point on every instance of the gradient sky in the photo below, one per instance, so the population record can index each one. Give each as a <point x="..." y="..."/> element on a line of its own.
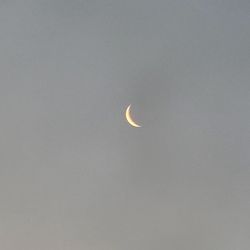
<point x="74" y="175"/>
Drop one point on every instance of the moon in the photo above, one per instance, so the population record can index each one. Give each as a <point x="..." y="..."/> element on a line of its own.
<point x="129" y="118"/>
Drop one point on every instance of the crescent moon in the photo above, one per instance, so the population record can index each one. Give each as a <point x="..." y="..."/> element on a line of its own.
<point x="129" y="118"/>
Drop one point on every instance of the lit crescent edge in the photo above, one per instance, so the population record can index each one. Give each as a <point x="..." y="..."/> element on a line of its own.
<point x="129" y="119"/>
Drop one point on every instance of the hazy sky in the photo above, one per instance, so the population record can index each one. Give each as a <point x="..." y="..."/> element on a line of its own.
<point x="74" y="175"/>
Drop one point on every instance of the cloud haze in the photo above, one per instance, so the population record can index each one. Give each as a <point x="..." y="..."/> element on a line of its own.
<point x="75" y="175"/>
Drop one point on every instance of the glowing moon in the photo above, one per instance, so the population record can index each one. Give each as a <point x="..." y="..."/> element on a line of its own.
<point x="129" y="118"/>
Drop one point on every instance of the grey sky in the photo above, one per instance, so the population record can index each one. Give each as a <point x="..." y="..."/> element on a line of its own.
<point x="74" y="175"/>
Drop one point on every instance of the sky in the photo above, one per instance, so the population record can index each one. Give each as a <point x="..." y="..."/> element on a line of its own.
<point x="74" y="174"/>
